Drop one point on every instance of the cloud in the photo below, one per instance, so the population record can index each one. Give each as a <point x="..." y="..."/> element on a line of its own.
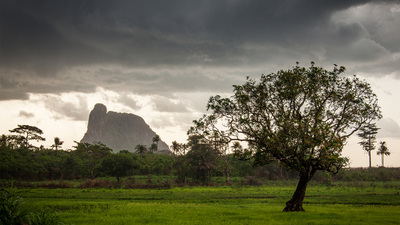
<point x="126" y="100"/>
<point x="163" y="104"/>
<point x="154" y="47"/>
<point x="389" y="128"/>
<point x="23" y="113"/>
<point x="66" y="107"/>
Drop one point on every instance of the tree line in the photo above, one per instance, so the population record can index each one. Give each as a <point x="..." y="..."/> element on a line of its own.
<point x="196" y="160"/>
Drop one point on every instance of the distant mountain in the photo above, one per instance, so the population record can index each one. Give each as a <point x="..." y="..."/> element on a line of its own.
<point x="120" y="131"/>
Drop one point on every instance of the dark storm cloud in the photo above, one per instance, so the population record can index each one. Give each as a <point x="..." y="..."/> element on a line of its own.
<point x="53" y="46"/>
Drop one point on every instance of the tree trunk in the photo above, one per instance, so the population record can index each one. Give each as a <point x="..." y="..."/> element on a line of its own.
<point x="369" y="155"/>
<point x="296" y="203"/>
<point x="227" y="176"/>
<point x="227" y="172"/>
<point x="91" y="173"/>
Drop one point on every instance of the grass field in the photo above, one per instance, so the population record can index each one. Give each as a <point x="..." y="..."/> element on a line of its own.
<point x="340" y="203"/>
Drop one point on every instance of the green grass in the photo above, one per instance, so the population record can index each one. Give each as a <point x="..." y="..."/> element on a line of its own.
<point x="342" y="203"/>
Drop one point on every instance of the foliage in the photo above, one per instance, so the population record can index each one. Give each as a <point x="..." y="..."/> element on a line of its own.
<point x="27" y="133"/>
<point x="57" y="143"/>
<point x="156" y="139"/>
<point x="153" y="148"/>
<point x="92" y="154"/>
<point x="383" y="150"/>
<point x="201" y="159"/>
<point x="300" y="118"/>
<point x="11" y="141"/>
<point x="118" y="165"/>
<point x="13" y="208"/>
<point x="141" y="149"/>
<point x="367" y="134"/>
<point x="46" y="217"/>
<point x="156" y="164"/>
<point x="18" y="163"/>
<point x="179" y="148"/>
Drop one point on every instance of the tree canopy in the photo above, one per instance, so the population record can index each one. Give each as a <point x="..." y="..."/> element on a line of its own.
<point x="141" y="149"/>
<point x="92" y="154"/>
<point x="300" y="118"/>
<point x="118" y="165"/>
<point x="367" y="133"/>
<point x="27" y="133"/>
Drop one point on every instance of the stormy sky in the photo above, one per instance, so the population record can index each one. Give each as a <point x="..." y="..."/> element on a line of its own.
<point x="162" y="60"/>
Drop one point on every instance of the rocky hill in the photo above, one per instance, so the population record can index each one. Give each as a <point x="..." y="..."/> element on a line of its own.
<point x="120" y="131"/>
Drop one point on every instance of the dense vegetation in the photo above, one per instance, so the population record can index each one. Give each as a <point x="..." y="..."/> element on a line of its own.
<point x="45" y="165"/>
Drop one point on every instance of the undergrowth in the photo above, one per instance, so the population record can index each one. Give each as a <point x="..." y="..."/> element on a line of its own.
<point x="14" y="209"/>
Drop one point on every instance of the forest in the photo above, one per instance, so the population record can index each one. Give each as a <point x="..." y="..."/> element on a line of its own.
<point x="194" y="163"/>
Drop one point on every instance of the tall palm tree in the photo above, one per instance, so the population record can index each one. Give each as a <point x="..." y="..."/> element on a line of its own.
<point x="383" y="150"/>
<point x="156" y="139"/>
<point x="57" y="143"/>
<point x="176" y="147"/>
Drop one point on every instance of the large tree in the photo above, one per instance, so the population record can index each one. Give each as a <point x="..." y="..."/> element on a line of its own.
<point x="300" y="118"/>
<point x="92" y="154"/>
<point x="118" y="165"/>
<point x="367" y="133"/>
<point x="27" y="133"/>
<point x="201" y="159"/>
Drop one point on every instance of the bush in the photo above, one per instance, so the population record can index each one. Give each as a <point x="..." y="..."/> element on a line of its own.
<point x="15" y="210"/>
<point x="250" y="180"/>
<point x="97" y="184"/>
<point x="44" y="217"/>
<point x="52" y="185"/>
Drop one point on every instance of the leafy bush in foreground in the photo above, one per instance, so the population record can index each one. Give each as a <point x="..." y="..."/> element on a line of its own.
<point x="15" y="210"/>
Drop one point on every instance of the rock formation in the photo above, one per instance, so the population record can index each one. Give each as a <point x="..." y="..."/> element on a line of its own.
<point x="120" y="131"/>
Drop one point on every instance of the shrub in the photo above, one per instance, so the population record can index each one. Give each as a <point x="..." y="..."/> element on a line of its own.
<point x="250" y="180"/>
<point x="97" y="184"/>
<point x="44" y="217"/>
<point x="51" y="185"/>
<point x="13" y="209"/>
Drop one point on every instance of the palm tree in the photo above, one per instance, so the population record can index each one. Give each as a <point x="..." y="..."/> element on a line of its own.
<point x="141" y="149"/>
<point x="176" y="147"/>
<point x="153" y="148"/>
<point x="57" y="143"/>
<point x="156" y="139"/>
<point x="383" y="150"/>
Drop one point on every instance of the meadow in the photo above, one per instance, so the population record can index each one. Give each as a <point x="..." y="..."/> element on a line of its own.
<point x="356" y="202"/>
